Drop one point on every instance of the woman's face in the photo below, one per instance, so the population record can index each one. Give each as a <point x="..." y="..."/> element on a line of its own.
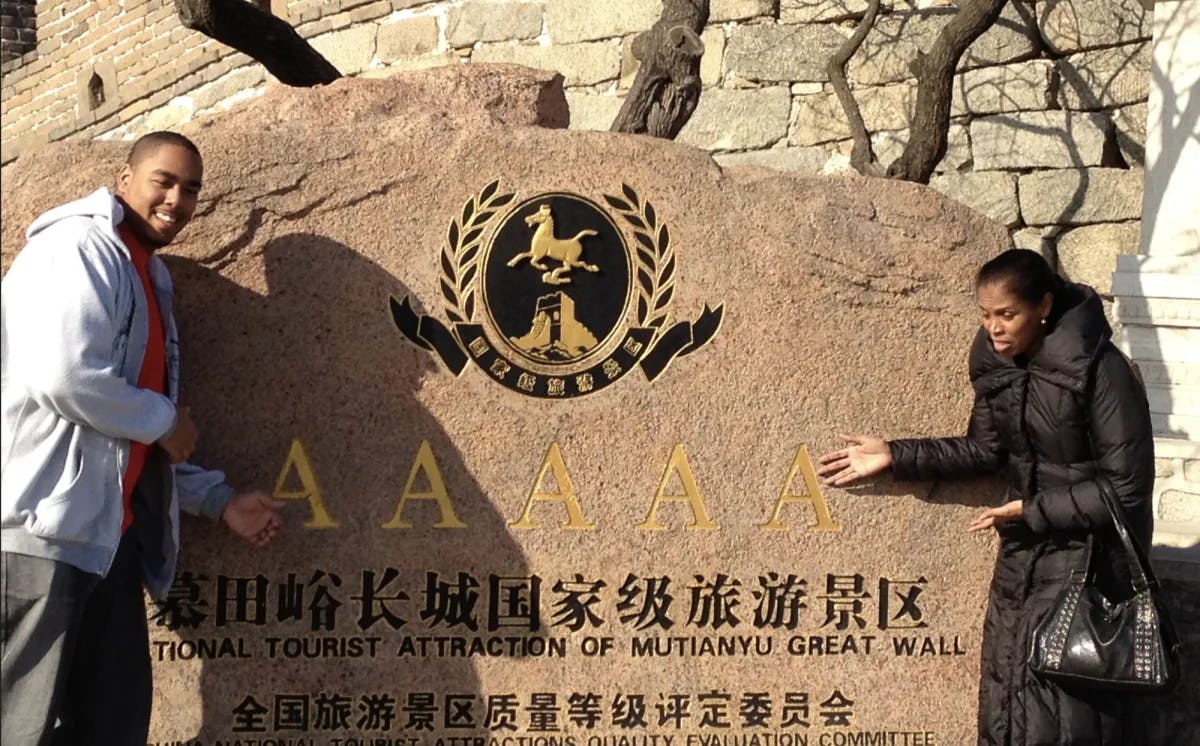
<point x="1013" y="325"/>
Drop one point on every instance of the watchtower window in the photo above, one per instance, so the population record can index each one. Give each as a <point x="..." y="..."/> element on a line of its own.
<point x="96" y="95"/>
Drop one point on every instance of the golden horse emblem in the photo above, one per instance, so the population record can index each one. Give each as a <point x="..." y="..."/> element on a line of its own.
<point x="544" y="245"/>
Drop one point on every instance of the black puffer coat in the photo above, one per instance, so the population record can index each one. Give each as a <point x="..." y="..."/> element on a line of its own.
<point x="1072" y="411"/>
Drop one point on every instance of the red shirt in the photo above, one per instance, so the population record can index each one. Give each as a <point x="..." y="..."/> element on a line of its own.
<point x="153" y="375"/>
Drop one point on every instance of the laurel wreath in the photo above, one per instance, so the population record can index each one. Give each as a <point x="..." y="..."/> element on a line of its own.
<point x="460" y="253"/>
<point x="655" y="257"/>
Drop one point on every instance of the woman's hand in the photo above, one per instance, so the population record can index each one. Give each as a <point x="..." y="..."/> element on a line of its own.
<point x="993" y="517"/>
<point x="866" y="456"/>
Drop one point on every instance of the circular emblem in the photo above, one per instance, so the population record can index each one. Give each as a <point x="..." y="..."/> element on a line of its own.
<point x="556" y="284"/>
<point x="566" y="304"/>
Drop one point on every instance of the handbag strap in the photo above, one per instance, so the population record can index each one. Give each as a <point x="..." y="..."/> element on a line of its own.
<point x="1139" y="564"/>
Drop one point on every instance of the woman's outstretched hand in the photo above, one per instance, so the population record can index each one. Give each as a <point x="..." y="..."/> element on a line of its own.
<point x="1013" y="510"/>
<point x="866" y="456"/>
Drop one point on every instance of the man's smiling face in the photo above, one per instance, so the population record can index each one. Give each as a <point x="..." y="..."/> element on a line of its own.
<point x="160" y="191"/>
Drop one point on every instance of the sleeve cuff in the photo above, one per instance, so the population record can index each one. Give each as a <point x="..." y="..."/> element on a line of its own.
<point x="1031" y="512"/>
<point x="215" y="501"/>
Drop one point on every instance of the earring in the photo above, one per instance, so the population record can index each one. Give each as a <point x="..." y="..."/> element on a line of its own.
<point x="1043" y="321"/>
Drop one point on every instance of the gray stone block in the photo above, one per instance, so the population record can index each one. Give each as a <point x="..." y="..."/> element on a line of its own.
<point x="808" y="11"/>
<point x="889" y="145"/>
<point x="1130" y="123"/>
<point x="1071" y="25"/>
<point x="768" y="52"/>
<point x="739" y="119"/>
<point x="1033" y="239"/>
<point x="992" y="193"/>
<point x="407" y="38"/>
<point x="590" y="111"/>
<point x="227" y="86"/>
<point x="1088" y="254"/>
<point x="587" y="63"/>
<point x="1081" y="196"/>
<point x="1047" y="139"/>
<point x="892" y="45"/>
<point x="411" y="64"/>
<point x="1104" y="78"/>
<point x="794" y="160"/>
<point x="712" y="62"/>
<point x="474" y="22"/>
<point x="1021" y="86"/>
<point x="349" y="50"/>
<point x="572" y="21"/>
<point x="720" y="11"/>
<point x="820" y="118"/>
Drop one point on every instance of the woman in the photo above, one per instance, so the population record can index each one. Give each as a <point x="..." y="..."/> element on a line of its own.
<point x="1058" y="407"/>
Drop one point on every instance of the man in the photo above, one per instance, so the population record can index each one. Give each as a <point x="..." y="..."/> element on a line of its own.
<point x="94" y="448"/>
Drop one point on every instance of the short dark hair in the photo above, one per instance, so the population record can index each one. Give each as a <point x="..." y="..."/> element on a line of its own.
<point x="1025" y="273"/>
<point x="148" y="143"/>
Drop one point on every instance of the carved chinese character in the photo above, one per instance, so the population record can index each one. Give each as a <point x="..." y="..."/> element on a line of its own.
<point x="249" y="717"/>
<point x="844" y="601"/>
<point x="514" y="602"/>
<point x="713" y="602"/>
<point x="755" y="710"/>
<point x="451" y="605"/>
<point x="909" y="615"/>
<point x="576" y="608"/>
<point x="183" y="605"/>
<point x="373" y="603"/>
<point x="629" y="711"/>
<point x="836" y="710"/>
<point x="780" y="601"/>
<point x="714" y="709"/>
<point x="241" y="600"/>
<point x="421" y="708"/>
<point x="543" y="712"/>
<point x="645" y="601"/>
<point x="501" y="712"/>
<point x="378" y="712"/>
<point x="584" y="709"/>
<point x="291" y="712"/>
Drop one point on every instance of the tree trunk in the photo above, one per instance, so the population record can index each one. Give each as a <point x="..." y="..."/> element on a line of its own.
<point x="935" y="89"/>
<point x="667" y="86"/>
<point x="259" y="34"/>
<point x="862" y="157"/>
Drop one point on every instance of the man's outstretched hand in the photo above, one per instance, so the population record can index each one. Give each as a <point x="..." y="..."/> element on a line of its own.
<point x="254" y="516"/>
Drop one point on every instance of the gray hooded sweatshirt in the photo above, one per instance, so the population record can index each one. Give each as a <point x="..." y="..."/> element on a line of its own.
<point x="74" y="322"/>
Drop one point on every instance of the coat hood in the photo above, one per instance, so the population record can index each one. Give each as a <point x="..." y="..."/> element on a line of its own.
<point x="100" y="206"/>
<point x="1076" y="330"/>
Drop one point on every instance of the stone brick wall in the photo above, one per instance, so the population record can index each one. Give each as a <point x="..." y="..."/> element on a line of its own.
<point x="18" y="28"/>
<point x="1048" y="123"/>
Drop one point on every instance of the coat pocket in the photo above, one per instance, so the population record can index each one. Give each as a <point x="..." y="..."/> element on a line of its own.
<point x="79" y="506"/>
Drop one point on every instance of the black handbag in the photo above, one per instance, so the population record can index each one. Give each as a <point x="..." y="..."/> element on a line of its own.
<point x="1090" y="641"/>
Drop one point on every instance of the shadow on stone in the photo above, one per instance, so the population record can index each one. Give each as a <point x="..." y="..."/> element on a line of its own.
<point x="307" y="357"/>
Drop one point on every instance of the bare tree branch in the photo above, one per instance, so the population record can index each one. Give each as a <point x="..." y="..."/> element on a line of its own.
<point x="935" y="89"/>
<point x="667" y="86"/>
<point x="270" y="40"/>
<point x="862" y="157"/>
